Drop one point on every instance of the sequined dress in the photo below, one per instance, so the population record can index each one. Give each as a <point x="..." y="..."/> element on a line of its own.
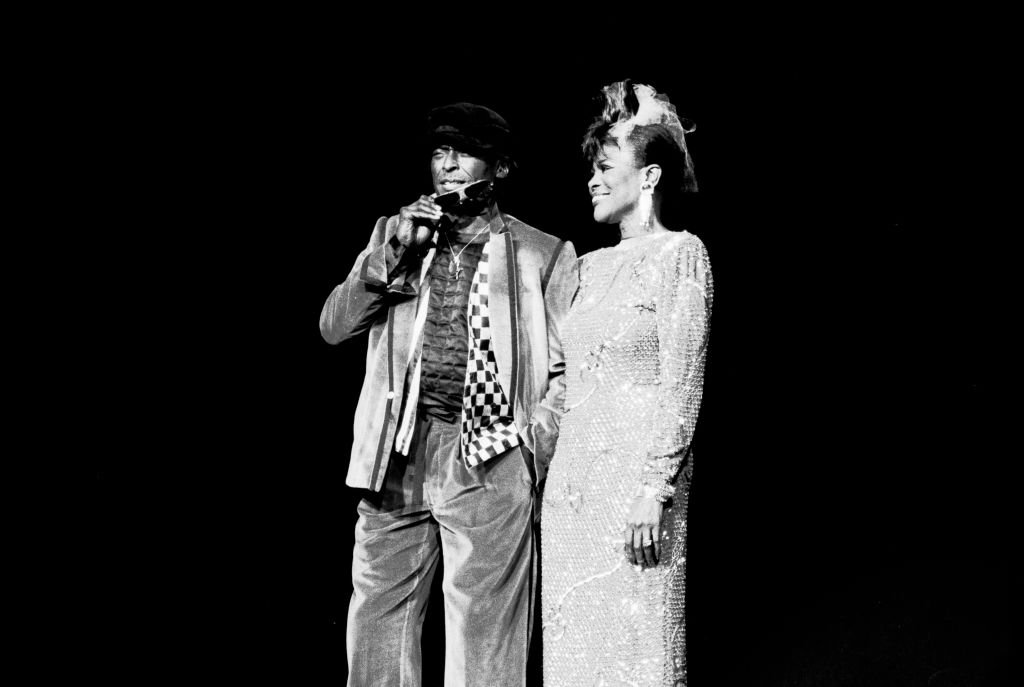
<point x="634" y="341"/>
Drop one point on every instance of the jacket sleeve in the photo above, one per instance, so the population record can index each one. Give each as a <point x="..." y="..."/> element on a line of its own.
<point x="383" y="272"/>
<point x="558" y="296"/>
<point x="683" y="302"/>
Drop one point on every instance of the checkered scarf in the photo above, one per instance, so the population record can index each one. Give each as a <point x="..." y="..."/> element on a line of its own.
<point x="488" y="427"/>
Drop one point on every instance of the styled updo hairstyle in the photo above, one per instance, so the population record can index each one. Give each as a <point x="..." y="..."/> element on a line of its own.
<point x="660" y="142"/>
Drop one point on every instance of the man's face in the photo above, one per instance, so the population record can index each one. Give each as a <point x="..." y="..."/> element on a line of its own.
<point x="451" y="168"/>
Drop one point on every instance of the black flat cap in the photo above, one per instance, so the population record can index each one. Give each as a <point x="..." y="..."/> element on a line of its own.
<point x="470" y="128"/>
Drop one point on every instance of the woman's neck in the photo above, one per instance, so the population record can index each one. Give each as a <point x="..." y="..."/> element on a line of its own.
<point x="632" y="226"/>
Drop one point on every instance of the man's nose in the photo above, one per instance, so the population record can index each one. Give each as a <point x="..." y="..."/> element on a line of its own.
<point x="451" y="160"/>
<point x="593" y="183"/>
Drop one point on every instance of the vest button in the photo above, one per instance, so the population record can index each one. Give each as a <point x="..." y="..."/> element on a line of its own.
<point x="391" y="394"/>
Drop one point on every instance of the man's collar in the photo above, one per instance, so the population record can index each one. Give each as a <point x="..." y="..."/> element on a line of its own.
<point x="493" y="216"/>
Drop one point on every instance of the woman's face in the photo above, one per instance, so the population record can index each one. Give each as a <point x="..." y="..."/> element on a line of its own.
<point x="615" y="185"/>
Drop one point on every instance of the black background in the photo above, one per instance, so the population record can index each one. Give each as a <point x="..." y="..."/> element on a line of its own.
<point x="850" y="505"/>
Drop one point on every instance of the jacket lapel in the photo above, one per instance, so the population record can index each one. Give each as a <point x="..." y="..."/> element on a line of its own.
<point x="502" y="304"/>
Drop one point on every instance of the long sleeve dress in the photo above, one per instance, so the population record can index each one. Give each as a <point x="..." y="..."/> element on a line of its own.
<point x="634" y="342"/>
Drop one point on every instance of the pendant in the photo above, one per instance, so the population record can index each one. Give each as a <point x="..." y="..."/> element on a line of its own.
<point x="454" y="269"/>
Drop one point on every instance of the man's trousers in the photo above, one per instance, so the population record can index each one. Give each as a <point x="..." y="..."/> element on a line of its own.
<point x="481" y="520"/>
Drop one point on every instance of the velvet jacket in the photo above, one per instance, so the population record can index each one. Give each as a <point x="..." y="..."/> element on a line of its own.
<point x="533" y="277"/>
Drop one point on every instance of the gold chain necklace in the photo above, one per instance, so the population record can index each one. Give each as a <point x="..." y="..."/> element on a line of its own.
<point x="455" y="267"/>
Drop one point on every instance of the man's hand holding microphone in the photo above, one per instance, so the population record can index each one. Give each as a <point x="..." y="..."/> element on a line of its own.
<point x="416" y="222"/>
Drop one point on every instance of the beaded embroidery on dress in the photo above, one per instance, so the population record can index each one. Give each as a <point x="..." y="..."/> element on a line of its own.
<point x="635" y="342"/>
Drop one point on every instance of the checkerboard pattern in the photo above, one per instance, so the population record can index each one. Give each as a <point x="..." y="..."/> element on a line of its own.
<point x="488" y="428"/>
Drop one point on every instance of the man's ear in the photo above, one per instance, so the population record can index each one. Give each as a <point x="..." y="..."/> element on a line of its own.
<point x="652" y="175"/>
<point x="501" y="169"/>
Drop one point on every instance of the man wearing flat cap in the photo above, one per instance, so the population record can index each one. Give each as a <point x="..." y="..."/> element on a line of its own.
<point x="458" y="413"/>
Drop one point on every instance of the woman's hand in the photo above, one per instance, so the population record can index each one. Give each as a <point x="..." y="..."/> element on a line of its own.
<point x="642" y="538"/>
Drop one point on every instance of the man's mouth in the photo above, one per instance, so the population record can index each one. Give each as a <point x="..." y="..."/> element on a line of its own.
<point x="597" y="197"/>
<point x="452" y="183"/>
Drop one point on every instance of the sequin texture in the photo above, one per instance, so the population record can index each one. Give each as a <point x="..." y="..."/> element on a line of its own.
<point x="635" y="343"/>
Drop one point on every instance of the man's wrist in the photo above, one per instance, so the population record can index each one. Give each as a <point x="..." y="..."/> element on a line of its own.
<point x="394" y="251"/>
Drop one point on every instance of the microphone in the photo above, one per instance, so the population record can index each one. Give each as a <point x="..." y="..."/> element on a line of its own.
<point x="468" y="199"/>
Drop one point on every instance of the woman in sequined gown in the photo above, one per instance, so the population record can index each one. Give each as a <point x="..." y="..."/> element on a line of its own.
<point x="614" y="514"/>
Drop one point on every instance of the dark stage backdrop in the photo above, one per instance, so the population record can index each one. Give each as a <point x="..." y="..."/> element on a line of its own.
<point x="848" y="521"/>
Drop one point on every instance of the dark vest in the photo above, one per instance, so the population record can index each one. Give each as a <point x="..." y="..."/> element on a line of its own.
<point x="445" y="331"/>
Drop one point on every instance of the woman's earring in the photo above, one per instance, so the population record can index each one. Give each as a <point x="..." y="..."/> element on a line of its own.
<point x="646" y="205"/>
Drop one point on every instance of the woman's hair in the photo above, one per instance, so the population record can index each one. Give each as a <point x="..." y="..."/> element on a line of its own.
<point x="654" y="133"/>
<point x="653" y="144"/>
